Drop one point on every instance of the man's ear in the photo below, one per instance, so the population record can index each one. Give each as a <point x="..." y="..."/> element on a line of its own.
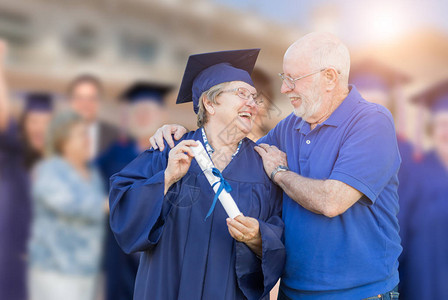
<point x="331" y="77"/>
<point x="208" y="105"/>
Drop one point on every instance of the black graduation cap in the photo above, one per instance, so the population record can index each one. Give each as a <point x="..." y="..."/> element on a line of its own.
<point x="38" y="101"/>
<point x="206" y="70"/>
<point x="435" y="97"/>
<point x="146" y="91"/>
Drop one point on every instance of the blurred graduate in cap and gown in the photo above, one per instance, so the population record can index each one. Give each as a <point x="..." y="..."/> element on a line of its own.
<point x="424" y="212"/>
<point x="21" y="146"/>
<point x="383" y="85"/>
<point x="143" y="113"/>
<point x="163" y="206"/>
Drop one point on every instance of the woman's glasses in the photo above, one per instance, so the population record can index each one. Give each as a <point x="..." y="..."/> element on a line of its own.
<point x="245" y="94"/>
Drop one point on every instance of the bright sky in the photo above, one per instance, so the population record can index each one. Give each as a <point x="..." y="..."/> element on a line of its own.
<point x="355" y="21"/>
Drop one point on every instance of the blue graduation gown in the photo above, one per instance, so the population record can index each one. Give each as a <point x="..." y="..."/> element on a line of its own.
<point x="120" y="267"/>
<point x="424" y="231"/>
<point x="407" y="169"/>
<point x="184" y="256"/>
<point x="116" y="157"/>
<point x="15" y="215"/>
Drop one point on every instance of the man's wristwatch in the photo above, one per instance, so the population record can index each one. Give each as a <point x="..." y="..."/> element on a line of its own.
<point x="280" y="168"/>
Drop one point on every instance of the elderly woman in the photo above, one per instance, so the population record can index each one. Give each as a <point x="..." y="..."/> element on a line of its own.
<point x="69" y="215"/>
<point x="162" y="204"/>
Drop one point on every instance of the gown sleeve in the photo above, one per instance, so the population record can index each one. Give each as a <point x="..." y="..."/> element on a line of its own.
<point x="257" y="276"/>
<point x="137" y="207"/>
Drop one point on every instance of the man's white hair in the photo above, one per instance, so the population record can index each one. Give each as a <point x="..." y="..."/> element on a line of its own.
<point x="324" y="50"/>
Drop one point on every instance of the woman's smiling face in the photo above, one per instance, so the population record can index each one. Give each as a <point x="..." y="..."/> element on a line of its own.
<point x="232" y="111"/>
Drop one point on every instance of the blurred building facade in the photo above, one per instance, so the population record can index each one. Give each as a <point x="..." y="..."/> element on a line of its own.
<point x="121" y="41"/>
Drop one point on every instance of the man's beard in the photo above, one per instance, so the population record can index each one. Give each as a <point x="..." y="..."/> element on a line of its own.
<point x="309" y="105"/>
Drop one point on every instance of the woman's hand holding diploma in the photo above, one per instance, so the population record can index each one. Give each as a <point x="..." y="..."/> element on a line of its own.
<point x="179" y="161"/>
<point x="246" y="230"/>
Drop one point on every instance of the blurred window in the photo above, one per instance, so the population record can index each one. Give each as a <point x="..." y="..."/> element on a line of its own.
<point x="15" y="28"/>
<point x="143" y="49"/>
<point x="82" y="41"/>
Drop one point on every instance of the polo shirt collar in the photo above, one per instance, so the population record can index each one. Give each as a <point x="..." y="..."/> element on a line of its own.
<point x="343" y="111"/>
<point x="302" y="126"/>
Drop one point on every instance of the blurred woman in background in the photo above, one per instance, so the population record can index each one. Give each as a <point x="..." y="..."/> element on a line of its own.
<point x="68" y="216"/>
<point x="21" y="146"/>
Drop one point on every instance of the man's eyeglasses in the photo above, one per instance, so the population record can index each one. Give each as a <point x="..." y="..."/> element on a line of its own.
<point x="245" y="94"/>
<point x="291" y="82"/>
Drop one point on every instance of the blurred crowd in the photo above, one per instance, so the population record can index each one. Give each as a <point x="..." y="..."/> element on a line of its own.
<point x="55" y="165"/>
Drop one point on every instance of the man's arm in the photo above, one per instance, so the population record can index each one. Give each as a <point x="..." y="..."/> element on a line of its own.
<point x="327" y="197"/>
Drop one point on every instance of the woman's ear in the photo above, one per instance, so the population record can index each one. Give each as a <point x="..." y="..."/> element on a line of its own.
<point x="208" y="105"/>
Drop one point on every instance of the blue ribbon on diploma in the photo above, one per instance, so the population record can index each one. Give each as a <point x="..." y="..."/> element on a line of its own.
<point x="223" y="185"/>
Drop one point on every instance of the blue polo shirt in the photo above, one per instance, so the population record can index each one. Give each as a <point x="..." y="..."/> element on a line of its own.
<point x="353" y="255"/>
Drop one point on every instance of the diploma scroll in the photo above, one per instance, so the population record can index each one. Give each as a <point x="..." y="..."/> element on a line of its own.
<point x="206" y="165"/>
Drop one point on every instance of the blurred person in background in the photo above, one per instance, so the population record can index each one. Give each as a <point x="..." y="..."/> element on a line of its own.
<point x="424" y="210"/>
<point x="21" y="146"/>
<point x="143" y="113"/>
<point x="263" y="84"/>
<point x="146" y="111"/>
<point x="67" y="235"/>
<point x="383" y="85"/>
<point x="33" y="125"/>
<point x="85" y="93"/>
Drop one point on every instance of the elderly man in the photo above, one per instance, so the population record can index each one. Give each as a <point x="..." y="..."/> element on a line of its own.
<point x="336" y="159"/>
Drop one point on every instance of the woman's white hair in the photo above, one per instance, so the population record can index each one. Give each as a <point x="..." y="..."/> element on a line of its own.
<point x="211" y="94"/>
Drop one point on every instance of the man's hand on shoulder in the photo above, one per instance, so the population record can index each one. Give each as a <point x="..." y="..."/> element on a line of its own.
<point x="272" y="157"/>
<point x="166" y="133"/>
